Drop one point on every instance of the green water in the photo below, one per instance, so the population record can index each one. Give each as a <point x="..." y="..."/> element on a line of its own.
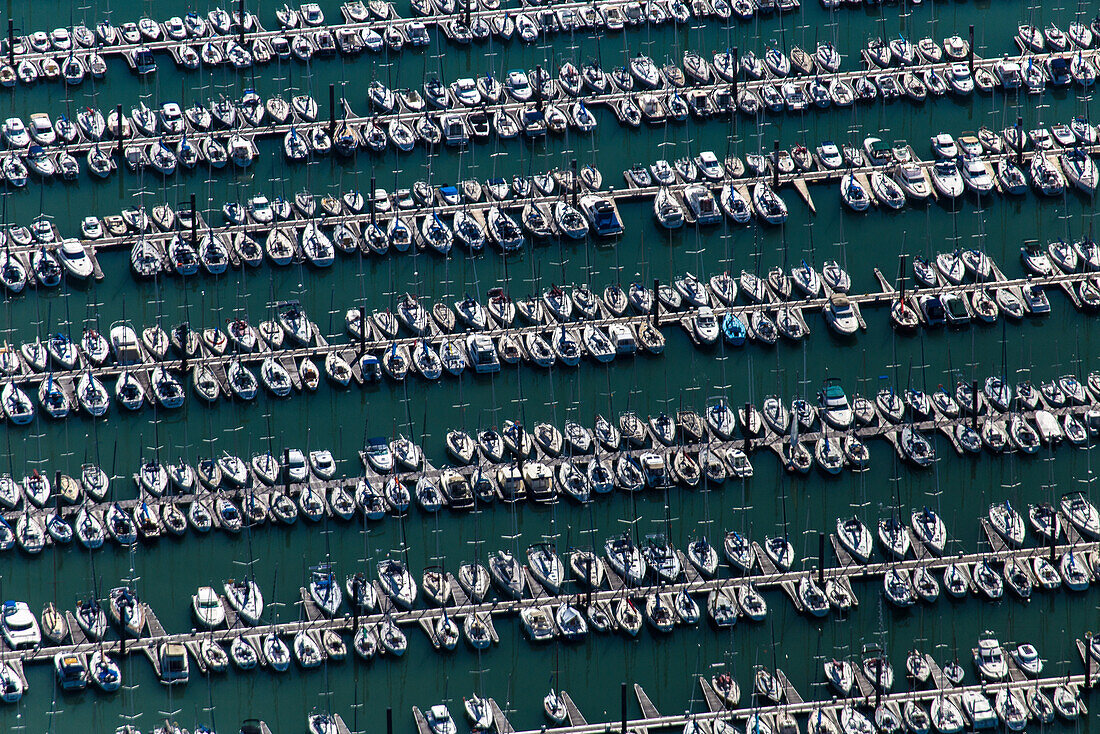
<point x="515" y="672"/>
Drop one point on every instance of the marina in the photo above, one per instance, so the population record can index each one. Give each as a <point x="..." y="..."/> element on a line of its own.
<point x="231" y="492"/>
<point x="67" y="374"/>
<point x="166" y="136"/>
<point x="177" y="249"/>
<point x="701" y="366"/>
<point x="652" y="719"/>
<point x="225" y="39"/>
<point x="836" y="592"/>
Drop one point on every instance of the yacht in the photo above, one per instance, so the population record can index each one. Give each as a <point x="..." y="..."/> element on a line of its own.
<point x="439" y="720"/>
<point x="990" y="659"/>
<point x="976" y="175"/>
<point x="854" y="194"/>
<point x="841" y="316"/>
<point x="768" y="205"/>
<point x="855" y="537"/>
<point x="702" y="205"/>
<point x="946" y="179"/>
<point x="959" y="79"/>
<point x="1011" y="178"/>
<point x="886" y="190"/>
<point x="835" y="407"/>
<point x="1080" y="169"/>
<point x="913" y="181"/>
<point x="668" y="209"/>
<point x="1046" y="176"/>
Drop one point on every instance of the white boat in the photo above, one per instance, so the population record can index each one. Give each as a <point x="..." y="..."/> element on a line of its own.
<point x="840" y="315"/>
<point x="768" y="206"/>
<point x="479" y="712"/>
<point x="1046" y="176"/>
<point x="929" y="529"/>
<point x="317" y="246"/>
<point x="976" y="175"/>
<point x="207" y="607"/>
<point x="702" y="205"/>
<point x="855" y="538"/>
<point x="834" y="404"/>
<point x="946" y="179"/>
<point x="668" y="210"/>
<point x="325" y="591"/>
<point x="990" y="659"/>
<point x="1011" y="710"/>
<point x="245" y="598"/>
<point x="854" y="195"/>
<point x="1008" y="523"/>
<point x="74" y="259"/>
<point x="1080" y="169"/>
<point x="1028" y="660"/>
<point x="1082" y="514"/>
<point x="978" y="710"/>
<point x="275" y="377"/>
<point x="886" y="190"/>
<point x="397" y="583"/>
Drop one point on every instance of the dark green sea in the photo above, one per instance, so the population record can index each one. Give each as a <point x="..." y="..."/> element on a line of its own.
<point x="515" y="672"/>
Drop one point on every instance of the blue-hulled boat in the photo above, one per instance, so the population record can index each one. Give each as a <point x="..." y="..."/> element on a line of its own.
<point x="733" y="329"/>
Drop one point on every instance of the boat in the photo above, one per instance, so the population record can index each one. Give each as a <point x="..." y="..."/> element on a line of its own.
<point x="325" y="591"/>
<point x="245" y="598"/>
<point x="479" y="712"/>
<point x="894" y="537"/>
<point x="626" y="559"/>
<point x="854" y="195"/>
<point x="207" y="607"/>
<point x="474" y="580"/>
<point x="978" y="709"/>
<point x="840" y="314"/>
<point x="397" y="583"/>
<point x="768" y="206"/>
<point x="990" y="659"/>
<point x="835" y="408"/>
<point x="1027" y="659"/>
<point x="767" y="685"/>
<point x="104" y="672"/>
<point x="1081" y="513"/>
<point x="929" y="529"/>
<point x="126" y="610"/>
<point x="71" y="671"/>
<point x="879" y="672"/>
<point x="812" y="597"/>
<point x="545" y="566"/>
<point x="54" y="626"/>
<point x="897" y="587"/>
<point x="1008" y="523"/>
<point x="507" y="573"/>
<point x="1066" y="703"/>
<point x="855" y="538"/>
